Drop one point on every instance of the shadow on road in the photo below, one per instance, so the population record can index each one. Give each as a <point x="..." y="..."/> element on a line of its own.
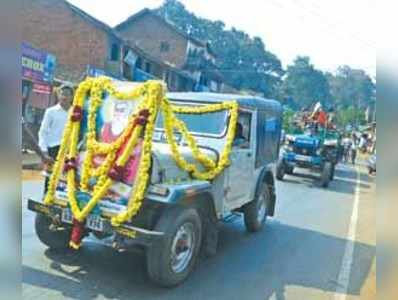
<point x="247" y="266"/>
<point x="343" y="182"/>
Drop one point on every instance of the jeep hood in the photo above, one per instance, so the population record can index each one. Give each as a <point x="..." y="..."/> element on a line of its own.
<point x="165" y="169"/>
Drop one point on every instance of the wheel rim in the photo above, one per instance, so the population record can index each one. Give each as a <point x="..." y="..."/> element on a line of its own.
<point x="261" y="209"/>
<point x="182" y="247"/>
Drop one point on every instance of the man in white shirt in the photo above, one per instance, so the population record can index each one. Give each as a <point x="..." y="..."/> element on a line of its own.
<point x="52" y="126"/>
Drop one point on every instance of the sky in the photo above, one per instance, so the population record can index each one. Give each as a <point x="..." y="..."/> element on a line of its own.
<point x="331" y="32"/>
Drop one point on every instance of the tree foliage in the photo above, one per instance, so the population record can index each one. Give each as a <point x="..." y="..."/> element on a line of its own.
<point x="246" y="64"/>
<point x="288" y="116"/>
<point x="304" y="84"/>
<point x="350" y="116"/>
<point x="244" y="61"/>
<point x="351" y="87"/>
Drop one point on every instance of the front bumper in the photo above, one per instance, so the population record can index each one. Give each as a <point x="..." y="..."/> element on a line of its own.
<point x="131" y="234"/>
<point x="299" y="160"/>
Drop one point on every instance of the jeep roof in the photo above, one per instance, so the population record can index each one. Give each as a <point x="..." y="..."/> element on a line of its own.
<point x="245" y="101"/>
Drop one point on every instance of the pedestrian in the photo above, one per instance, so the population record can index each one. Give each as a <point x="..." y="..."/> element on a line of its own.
<point x="353" y="151"/>
<point x="52" y="127"/>
<point x="346" y="148"/>
<point x="362" y="143"/>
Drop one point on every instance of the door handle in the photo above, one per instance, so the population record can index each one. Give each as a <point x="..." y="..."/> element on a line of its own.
<point x="249" y="154"/>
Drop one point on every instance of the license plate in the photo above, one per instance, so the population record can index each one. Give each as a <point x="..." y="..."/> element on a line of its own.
<point x="303" y="157"/>
<point x="93" y="222"/>
<point x="66" y="216"/>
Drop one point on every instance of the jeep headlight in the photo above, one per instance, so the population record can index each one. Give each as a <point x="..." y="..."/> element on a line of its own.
<point x="158" y="190"/>
<point x="288" y="147"/>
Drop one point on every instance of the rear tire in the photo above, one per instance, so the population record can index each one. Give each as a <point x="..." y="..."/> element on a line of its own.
<point x="171" y="259"/>
<point x="280" y="169"/>
<point x="332" y="172"/>
<point x="256" y="211"/>
<point x="326" y="174"/>
<point x="289" y="170"/>
<point x="53" y="238"/>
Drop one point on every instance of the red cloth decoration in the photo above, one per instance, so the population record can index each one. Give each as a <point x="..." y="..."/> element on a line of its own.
<point x="70" y="163"/>
<point x="142" y="117"/>
<point x="76" y="235"/>
<point x="141" y="120"/>
<point x="116" y="173"/>
<point x="144" y="113"/>
<point x="77" y="113"/>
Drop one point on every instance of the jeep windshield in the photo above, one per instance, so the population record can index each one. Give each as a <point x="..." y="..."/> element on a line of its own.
<point x="210" y="124"/>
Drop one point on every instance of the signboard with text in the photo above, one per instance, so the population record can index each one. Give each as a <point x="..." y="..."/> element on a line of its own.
<point x="38" y="66"/>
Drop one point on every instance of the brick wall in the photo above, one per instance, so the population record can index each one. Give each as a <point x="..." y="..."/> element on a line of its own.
<point x="52" y="26"/>
<point x="148" y="32"/>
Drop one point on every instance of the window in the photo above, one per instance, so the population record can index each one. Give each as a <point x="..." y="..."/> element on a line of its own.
<point x="115" y="52"/>
<point x="242" y="133"/>
<point x="215" y="122"/>
<point x="203" y="80"/>
<point x="166" y="76"/>
<point x="164" y="46"/>
<point x="147" y="67"/>
<point x="138" y="63"/>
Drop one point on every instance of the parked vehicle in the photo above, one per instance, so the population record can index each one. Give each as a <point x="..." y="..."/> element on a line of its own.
<point x="372" y="164"/>
<point x="180" y="214"/>
<point x="307" y="150"/>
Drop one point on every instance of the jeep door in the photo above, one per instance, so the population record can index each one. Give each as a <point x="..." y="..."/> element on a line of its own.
<point x="240" y="174"/>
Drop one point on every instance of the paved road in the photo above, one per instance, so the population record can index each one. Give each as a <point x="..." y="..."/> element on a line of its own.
<point x="305" y="253"/>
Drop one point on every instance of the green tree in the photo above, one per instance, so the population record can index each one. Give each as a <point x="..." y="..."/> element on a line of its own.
<point x="305" y="84"/>
<point x="351" y="87"/>
<point x="350" y="116"/>
<point x="244" y="61"/>
<point x="288" y="116"/>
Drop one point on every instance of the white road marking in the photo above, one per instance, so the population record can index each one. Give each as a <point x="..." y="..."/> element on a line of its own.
<point x="346" y="264"/>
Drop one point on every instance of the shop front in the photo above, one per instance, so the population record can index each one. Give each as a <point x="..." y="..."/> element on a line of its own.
<point x="38" y="68"/>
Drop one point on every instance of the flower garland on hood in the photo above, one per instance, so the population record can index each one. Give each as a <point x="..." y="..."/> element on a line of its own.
<point x="142" y="123"/>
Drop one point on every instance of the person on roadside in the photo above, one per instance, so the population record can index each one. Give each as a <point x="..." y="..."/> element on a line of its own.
<point x="363" y="143"/>
<point x="52" y="127"/>
<point x="353" y="150"/>
<point x="346" y="148"/>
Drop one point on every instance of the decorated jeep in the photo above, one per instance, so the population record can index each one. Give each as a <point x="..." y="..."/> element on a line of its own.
<point x="139" y="167"/>
<point x="318" y="152"/>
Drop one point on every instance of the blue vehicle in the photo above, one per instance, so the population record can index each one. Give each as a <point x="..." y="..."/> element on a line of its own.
<point x="307" y="150"/>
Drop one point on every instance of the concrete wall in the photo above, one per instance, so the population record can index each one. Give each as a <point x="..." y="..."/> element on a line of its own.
<point x="52" y="26"/>
<point x="148" y="33"/>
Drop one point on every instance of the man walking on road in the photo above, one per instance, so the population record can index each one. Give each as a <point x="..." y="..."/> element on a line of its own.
<point x="353" y="151"/>
<point x="52" y="127"/>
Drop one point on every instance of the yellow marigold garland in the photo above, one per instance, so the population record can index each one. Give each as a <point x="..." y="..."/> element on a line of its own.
<point x="152" y="99"/>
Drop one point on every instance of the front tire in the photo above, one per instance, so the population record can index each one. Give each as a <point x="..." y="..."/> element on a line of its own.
<point x="171" y="259"/>
<point x="289" y="170"/>
<point x="280" y="169"/>
<point x="50" y="235"/>
<point x="326" y="174"/>
<point x="256" y="211"/>
<point x="332" y="172"/>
